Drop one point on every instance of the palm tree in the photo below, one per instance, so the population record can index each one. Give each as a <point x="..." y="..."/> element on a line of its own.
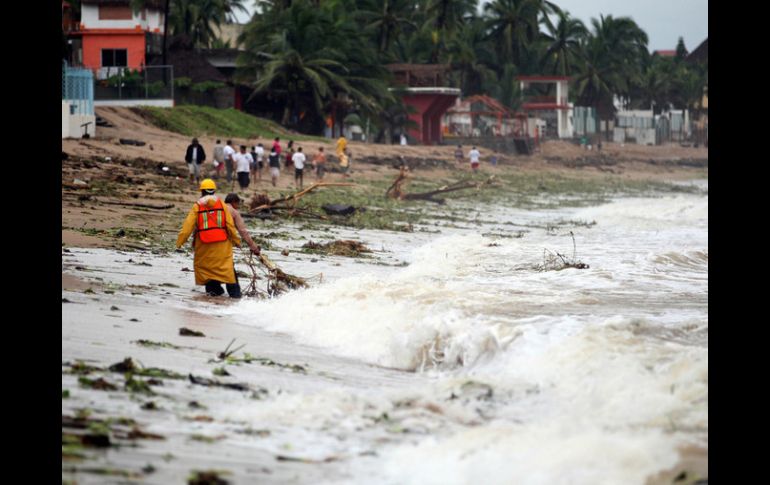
<point x="304" y="55"/>
<point x="471" y="57"/>
<point x="514" y="25"/>
<point x="652" y="87"/>
<point x="387" y="19"/>
<point x="610" y="65"/>
<point x="564" y="47"/>
<point x="194" y="18"/>
<point x="447" y="17"/>
<point x="596" y="79"/>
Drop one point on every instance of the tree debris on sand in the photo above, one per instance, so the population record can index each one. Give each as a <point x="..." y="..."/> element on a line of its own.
<point x="261" y="202"/>
<point x="186" y="332"/>
<point x="202" y="381"/>
<point x="338" y="248"/>
<point x="208" y="477"/>
<point x="278" y="282"/>
<point x="396" y="190"/>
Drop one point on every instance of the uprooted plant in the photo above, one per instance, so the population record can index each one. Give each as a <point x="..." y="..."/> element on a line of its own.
<point x="555" y="261"/>
<point x="278" y="281"/>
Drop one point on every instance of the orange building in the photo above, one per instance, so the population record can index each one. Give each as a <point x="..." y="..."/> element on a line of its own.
<point x="113" y="37"/>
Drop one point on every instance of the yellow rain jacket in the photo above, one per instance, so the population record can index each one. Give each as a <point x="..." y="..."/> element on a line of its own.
<point x="212" y="261"/>
<point x="342" y="143"/>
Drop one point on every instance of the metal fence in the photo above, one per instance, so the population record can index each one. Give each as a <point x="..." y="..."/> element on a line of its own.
<point x="151" y="82"/>
<point x="77" y="87"/>
<point x="583" y="120"/>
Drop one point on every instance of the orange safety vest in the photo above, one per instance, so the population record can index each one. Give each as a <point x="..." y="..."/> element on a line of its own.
<point x="212" y="223"/>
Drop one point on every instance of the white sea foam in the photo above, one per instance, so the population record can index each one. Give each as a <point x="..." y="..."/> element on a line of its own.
<point x="595" y="376"/>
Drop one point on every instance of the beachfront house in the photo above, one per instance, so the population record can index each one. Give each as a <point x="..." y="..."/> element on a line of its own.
<point x="547" y="98"/>
<point x="113" y="38"/>
<point x="115" y="43"/>
<point x="478" y="115"/>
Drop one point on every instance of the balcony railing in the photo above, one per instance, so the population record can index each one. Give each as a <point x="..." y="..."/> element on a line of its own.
<point x="151" y="82"/>
<point x="545" y="100"/>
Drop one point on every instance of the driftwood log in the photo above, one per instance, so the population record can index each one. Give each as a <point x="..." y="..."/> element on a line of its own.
<point x="261" y="202"/>
<point x="135" y="204"/>
<point x="396" y="190"/>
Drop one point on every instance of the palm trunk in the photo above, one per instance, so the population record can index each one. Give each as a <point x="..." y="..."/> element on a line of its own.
<point x="286" y="114"/>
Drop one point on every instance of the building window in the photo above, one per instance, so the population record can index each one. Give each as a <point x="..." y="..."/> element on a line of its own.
<point x="115" y="12"/>
<point x="114" y="57"/>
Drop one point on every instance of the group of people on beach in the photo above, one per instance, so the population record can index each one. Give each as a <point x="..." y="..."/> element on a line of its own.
<point x="216" y="225"/>
<point x="246" y="166"/>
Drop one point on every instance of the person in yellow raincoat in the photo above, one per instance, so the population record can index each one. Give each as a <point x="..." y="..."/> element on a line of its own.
<point x="342" y="144"/>
<point x="214" y="236"/>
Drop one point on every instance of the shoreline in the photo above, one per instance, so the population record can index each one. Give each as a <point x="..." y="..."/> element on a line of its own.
<point x="278" y="422"/>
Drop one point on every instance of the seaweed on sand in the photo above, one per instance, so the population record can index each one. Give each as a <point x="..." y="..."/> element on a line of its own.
<point x="338" y="248"/>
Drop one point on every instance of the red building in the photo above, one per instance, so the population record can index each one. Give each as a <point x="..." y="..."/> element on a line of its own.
<point x="424" y="89"/>
<point x="110" y="36"/>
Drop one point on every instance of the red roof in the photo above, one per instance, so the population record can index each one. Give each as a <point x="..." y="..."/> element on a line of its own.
<point x="667" y="53"/>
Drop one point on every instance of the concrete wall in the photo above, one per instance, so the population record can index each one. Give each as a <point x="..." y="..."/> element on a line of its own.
<point x="133" y="42"/>
<point x="70" y="124"/>
<point x="640" y="136"/>
<point x="65" y="119"/>
<point x="160" y="103"/>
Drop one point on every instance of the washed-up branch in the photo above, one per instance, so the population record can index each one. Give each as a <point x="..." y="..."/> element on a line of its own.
<point x="555" y="261"/>
<point x="396" y="190"/>
<point x="261" y="202"/>
<point x="278" y="281"/>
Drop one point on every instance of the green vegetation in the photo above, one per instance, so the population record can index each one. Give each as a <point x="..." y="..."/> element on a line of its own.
<point x="192" y="120"/>
<point x="309" y="60"/>
<point x="327" y="58"/>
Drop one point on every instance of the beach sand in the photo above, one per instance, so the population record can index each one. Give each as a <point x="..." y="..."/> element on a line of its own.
<point x="119" y="290"/>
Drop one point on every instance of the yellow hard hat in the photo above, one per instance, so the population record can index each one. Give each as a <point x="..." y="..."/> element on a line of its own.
<point x="208" y="184"/>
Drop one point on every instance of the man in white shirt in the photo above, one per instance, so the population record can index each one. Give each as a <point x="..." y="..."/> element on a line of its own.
<point x="474" y="156"/>
<point x="242" y="166"/>
<point x="299" y="164"/>
<point x="229" y="152"/>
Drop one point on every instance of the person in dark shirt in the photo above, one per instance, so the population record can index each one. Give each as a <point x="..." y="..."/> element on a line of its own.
<point x="195" y="157"/>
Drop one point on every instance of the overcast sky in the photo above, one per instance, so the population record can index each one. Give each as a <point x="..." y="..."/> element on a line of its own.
<point x="663" y="20"/>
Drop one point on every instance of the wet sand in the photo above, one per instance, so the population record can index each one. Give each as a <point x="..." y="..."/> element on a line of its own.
<point x="101" y="327"/>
